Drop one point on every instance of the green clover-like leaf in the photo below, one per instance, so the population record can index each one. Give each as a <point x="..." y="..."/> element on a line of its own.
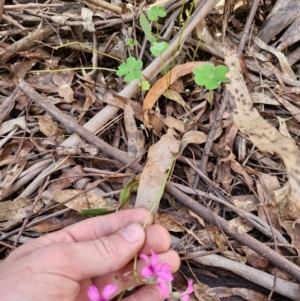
<point x="132" y="75"/>
<point x="210" y="76"/>
<point x="156" y="12"/>
<point x="220" y="72"/>
<point x="158" y="48"/>
<point x="131" y="69"/>
<point x="145" y="86"/>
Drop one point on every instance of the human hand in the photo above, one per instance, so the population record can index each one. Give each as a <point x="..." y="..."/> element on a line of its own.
<point x="62" y="265"/>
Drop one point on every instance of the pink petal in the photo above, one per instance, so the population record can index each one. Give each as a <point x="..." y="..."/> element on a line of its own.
<point x="108" y="291"/>
<point x="93" y="293"/>
<point x="185" y="298"/>
<point x="190" y="288"/>
<point x="154" y="259"/>
<point x="164" y="289"/>
<point x="146" y="258"/>
<point x="163" y="272"/>
<point x="146" y="272"/>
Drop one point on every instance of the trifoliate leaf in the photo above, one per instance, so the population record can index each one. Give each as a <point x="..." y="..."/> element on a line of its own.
<point x="156" y="12"/>
<point x="210" y="76"/>
<point x="158" y="48"/>
<point x="131" y="69"/>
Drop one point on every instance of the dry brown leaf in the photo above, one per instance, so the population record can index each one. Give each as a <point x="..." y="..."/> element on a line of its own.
<point x="175" y="96"/>
<point x="69" y="176"/>
<point x="86" y="200"/>
<point x="17" y="208"/>
<point x="174" y="123"/>
<point x="240" y="225"/>
<point x="295" y="111"/>
<point x="284" y="64"/>
<point x="258" y="97"/>
<point x="191" y="137"/>
<point x="283" y="127"/>
<point x="254" y="259"/>
<point x="168" y="222"/>
<point x="293" y="230"/>
<point x="246" y="202"/>
<point x="119" y="101"/>
<point x="55" y="223"/>
<point x="47" y="126"/>
<point x="135" y="137"/>
<point x="64" y="90"/>
<point x="259" y="131"/>
<point x="89" y="100"/>
<point x="162" y="85"/>
<point x="12" y="124"/>
<point x="160" y="159"/>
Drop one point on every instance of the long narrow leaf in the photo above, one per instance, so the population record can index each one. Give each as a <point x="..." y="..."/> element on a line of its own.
<point x="146" y="28"/>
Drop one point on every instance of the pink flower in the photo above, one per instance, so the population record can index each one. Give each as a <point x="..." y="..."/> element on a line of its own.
<point x="185" y="296"/>
<point x="157" y="273"/>
<point x="94" y="294"/>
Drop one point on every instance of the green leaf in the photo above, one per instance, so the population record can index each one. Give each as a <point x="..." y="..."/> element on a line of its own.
<point x="158" y="48"/>
<point x="131" y="69"/>
<point x="146" y="28"/>
<point x="156" y="12"/>
<point x="132" y="75"/>
<point x="210" y="76"/>
<point x="132" y="63"/>
<point x="95" y="212"/>
<point x="145" y="86"/>
<point x="130" y="187"/>
<point x="220" y="72"/>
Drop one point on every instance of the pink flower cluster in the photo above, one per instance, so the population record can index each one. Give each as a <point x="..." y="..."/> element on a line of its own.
<point x="157" y="273"/>
<point x="154" y="273"/>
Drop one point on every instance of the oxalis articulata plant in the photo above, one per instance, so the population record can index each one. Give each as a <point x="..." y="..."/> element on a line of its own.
<point x="206" y="75"/>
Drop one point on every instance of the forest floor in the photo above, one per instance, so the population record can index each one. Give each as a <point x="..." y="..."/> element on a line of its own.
<point x="190" y="109"/>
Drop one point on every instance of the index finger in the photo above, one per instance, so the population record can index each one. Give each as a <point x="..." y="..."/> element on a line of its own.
<point x="96" y="227"/>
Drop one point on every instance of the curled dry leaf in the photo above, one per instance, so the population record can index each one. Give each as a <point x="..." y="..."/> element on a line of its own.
<point x="175" y="96"/>
<point x="259" y="131"/>
<point x="162" y="85"/>
<point x="11" y="124"/>
<point x="191" y="137"/>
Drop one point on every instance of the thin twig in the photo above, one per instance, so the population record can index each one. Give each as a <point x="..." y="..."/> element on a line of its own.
<point x="212" y="132"/>
<point x="247" y="26"/>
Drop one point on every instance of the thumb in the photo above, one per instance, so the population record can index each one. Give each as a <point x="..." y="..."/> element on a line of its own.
<point x="94" y="258"/>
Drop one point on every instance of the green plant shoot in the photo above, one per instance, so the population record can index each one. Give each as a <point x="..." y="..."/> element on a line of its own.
<point x="156" y="12"/>
<point x="210" y="76"/>
<point x="131" y="42"/>
<point x="131" y="69"/>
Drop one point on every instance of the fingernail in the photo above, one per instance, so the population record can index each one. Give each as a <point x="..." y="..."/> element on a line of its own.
<point x="133" y="232"/>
